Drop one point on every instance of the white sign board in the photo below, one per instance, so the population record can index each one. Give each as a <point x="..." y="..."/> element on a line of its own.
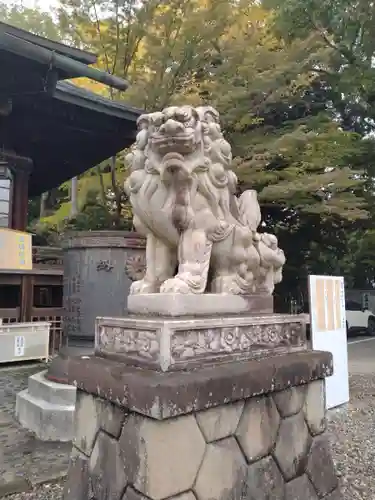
<point x="328" y="333"/>
<point x="19" y="346"/>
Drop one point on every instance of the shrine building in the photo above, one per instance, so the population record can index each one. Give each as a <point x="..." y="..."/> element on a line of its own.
<point x="50" y="131"/>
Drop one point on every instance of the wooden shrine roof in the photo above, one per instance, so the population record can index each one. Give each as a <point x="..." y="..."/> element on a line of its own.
<point x="62" y="128"/>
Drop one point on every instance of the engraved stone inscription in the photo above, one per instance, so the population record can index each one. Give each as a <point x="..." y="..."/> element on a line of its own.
<point x="104" y="265"/>
<point x="142" y="343"/>
<point x="72" y="297"/>
<point x="73" y="316"/>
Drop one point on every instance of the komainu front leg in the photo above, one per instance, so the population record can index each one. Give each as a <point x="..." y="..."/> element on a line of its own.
<point x="161" y="262"/>
<point x="194" y="255"/>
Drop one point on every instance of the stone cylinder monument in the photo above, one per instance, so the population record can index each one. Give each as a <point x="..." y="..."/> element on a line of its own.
<point x="99" y="267"/>
<point x="201" y="392"/>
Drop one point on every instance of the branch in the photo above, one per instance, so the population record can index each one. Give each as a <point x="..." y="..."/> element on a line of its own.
<point x="117" y="38"/>
<point x="99" y="31"/>
<point x="127" y="59"/>
<point x="323" y="33"/>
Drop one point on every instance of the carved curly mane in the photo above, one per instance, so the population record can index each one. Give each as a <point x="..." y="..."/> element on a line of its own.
<point x="205" y="160"/>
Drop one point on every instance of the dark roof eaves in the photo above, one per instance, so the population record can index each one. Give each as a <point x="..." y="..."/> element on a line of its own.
<point x="77" y="54"/>
<point x="68" y="92"/>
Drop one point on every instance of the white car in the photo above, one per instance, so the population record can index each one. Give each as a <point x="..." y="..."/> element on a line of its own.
<point x="358" y="318"/>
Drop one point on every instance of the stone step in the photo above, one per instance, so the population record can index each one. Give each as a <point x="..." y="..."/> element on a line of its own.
<point x="51" y="392"/>
<point x="49" y="421"/>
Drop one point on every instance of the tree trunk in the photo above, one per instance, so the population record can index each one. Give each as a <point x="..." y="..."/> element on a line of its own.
<point x="116" y="191"/>
<point x="42" y="210"/>
<point x="73" y="197"/>
<point x="102" y="187"/>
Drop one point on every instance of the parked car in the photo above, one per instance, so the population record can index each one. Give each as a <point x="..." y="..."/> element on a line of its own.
<point x="359" y="319"/>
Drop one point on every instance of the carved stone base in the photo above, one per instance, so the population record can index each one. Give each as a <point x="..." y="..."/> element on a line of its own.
<point x="177" y="304"/>
<point x="167" y="344"/>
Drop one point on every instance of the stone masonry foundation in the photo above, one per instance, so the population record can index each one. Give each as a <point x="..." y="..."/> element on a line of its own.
<point x="247" y="430"/>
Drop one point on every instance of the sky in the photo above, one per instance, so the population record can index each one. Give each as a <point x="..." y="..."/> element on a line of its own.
<point x="45" y="5"/>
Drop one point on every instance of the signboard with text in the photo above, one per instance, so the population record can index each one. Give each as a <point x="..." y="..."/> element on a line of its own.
<point x="15" y="250"/>
<point x="328" y="332"/>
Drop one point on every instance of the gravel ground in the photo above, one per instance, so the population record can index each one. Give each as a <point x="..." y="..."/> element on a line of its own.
<point x="352" y="431"/>
<point x="353" y="440"/>
<point x="43" y="492"/>
<point x="24" y="459"/>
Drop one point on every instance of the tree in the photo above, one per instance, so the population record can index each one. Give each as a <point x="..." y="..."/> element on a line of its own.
<point x="288" y="144"/>
<point x="33" y="20"/>
<point x="227" y="55"/>
<point x="346" y="29"/>
<point x="157" y="45"/>
<point x="310" y="173"/>
<point x="345" y="32"/>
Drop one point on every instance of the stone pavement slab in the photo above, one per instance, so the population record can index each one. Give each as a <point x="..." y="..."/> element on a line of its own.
<point x="24" y="460"/>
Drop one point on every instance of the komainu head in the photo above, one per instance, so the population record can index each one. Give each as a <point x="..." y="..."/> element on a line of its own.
<point x="175" y="130"/>
<point x="180" y="138"/>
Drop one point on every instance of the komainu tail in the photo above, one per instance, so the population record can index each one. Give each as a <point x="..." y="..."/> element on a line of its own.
<point x="249" y="209"/>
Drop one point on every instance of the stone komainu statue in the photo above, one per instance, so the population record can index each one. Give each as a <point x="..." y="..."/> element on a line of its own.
<point x="200" y="236"/>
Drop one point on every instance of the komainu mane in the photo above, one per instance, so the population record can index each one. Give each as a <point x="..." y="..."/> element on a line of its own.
<point x="200" y="236"/>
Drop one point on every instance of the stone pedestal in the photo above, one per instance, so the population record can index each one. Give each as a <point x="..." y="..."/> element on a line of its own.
<point x="248" y="429"/>
<point x="179" y="343"/>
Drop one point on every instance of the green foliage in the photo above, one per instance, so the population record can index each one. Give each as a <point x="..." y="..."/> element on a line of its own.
<point x="347" y="31"/>
<point x="33" y="20"/>
<point x="344" y="32"/>
<point x="94" y="215"/>
<point x="287" y="143"/>
<point x="44" y="233"/>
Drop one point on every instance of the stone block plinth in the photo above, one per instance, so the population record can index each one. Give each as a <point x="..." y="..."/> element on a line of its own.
<point x="178" y="343"/>
<point x="245" y="430"/>
<point x="47" y="408"/>
<point x="180" y="305"/>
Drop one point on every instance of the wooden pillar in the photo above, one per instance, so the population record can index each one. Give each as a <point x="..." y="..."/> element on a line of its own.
<point x="21" y="168"/>
<point x="27" y="297"/>
<point x="20" y="199"/>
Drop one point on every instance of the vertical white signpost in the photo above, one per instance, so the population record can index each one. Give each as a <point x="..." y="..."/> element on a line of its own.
<point x="328" y="333"/>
